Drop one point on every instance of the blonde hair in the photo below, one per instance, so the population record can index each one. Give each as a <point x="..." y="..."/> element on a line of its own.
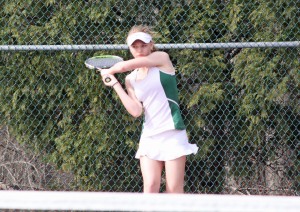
<point x="145" y="29"/>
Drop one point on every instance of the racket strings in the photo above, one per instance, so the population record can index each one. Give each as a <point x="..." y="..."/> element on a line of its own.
<point x="103" y="62"/>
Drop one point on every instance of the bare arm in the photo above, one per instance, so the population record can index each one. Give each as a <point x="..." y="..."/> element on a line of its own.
<point x="129" y="100"/>
<point x="156" y="59"/>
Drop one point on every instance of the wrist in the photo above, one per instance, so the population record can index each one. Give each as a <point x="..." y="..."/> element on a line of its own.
<point x="115" y="84"/>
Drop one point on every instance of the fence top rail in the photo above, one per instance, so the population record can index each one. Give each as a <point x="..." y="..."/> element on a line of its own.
<point x="94" y="47"/>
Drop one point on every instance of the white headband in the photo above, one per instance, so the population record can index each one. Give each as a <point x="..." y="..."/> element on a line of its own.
<point x="145" y="37"/>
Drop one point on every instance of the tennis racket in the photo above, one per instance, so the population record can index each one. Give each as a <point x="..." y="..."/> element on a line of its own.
<point x="104" y="61"/>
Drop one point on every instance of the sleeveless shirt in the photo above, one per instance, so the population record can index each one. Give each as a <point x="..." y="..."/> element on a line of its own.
<point x="159" y="95"/>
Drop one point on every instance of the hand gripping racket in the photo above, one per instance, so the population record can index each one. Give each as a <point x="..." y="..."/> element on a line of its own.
<point x="104" y="61"/>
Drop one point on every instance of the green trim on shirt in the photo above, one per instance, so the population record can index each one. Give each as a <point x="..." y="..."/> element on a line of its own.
<point x="169" y="85"/>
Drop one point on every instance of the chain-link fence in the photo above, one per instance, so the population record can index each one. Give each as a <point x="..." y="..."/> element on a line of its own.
<point x="62" y="129"/>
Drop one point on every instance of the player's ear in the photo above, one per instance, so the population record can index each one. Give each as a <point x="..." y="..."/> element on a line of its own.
<point x="152" y="46"/>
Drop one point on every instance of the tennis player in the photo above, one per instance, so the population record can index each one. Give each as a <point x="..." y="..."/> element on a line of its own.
<point x="151" y="90"/>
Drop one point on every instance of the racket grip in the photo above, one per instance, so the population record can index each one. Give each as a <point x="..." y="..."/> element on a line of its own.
<point x="107" y="79"/>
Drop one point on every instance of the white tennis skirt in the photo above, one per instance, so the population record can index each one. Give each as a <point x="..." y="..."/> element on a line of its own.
<point x="166" y="146"/>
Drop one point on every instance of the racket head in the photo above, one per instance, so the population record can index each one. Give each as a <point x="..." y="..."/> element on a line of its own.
<point x="103" y="61"/>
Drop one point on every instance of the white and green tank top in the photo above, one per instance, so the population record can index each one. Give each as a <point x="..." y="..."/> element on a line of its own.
<point x="159" y="95"/>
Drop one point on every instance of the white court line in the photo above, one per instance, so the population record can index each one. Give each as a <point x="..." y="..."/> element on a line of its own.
<point x="109" y="201"/>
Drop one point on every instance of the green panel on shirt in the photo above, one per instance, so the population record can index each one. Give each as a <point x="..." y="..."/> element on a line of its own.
<point x="169" y="85"/>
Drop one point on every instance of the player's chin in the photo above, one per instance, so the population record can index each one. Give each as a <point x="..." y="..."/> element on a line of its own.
<point x="140" y="55"/>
